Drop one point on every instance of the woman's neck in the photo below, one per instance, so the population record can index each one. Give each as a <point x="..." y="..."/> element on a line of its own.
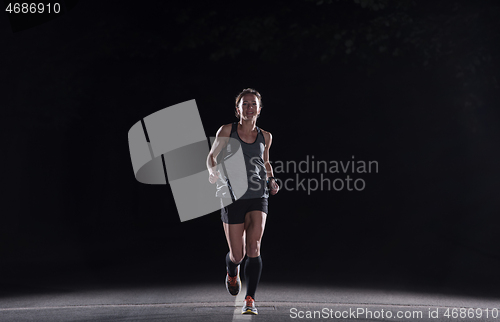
<point x="247" y="126"/>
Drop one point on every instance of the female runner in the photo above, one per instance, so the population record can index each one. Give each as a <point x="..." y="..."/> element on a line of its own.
<point x="244" y="219"/>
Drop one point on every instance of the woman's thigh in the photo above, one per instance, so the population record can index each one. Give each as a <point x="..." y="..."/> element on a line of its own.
<point x="255" y="222"/>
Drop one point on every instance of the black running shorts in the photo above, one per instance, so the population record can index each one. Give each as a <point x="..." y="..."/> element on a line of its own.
<point x="235" y="212"/>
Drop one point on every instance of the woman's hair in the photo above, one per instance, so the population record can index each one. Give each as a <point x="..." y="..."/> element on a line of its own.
<point x="243" y="93"/>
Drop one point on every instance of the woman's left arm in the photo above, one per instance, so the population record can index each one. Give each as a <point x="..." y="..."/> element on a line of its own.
<point x="269" y="169"/>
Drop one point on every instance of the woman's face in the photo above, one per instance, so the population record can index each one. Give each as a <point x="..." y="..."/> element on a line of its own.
<point x="249" y="107"/>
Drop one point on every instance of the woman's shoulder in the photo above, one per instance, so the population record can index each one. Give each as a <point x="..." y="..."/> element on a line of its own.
<point x="225" y="130"/>
<point x="267" y="135"/>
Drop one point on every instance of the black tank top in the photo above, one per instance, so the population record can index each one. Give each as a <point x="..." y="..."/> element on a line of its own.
<point x="253" y="154"/>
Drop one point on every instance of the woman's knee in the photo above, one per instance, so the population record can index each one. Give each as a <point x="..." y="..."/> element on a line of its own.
<point x="253" y="249"/>
<point x="237" y="257"/>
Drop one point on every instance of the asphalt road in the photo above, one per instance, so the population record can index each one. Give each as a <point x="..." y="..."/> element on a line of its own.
<point x="81" y="297"/>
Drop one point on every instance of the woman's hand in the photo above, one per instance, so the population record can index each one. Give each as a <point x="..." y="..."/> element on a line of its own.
<point x="214" y="176"/>
<point x="274" y="187"/>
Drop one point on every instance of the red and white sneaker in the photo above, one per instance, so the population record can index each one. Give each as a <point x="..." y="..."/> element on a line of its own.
<point x="233" y="284"/>
<point x="249" y="306"/>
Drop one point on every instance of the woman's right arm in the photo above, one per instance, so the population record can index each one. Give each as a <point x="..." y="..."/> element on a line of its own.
<point x="221" y="139"/>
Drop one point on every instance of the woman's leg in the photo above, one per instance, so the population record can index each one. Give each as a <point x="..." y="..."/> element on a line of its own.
<point x="235" y="236"/>
<point x="255" y="222"/>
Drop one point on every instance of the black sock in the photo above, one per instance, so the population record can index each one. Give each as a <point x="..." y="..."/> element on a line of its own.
<point x="253" y="268"/>
<point x="232" y="268"/>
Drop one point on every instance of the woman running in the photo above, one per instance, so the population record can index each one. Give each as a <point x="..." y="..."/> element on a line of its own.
<point x="244" y="219"/>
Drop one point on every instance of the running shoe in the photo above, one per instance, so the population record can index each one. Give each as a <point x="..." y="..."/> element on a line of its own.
<point x="249" y="306"/>
<point x="233" y="284"/>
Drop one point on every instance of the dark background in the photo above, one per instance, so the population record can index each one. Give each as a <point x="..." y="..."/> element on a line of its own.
<point x="409" y="84"/>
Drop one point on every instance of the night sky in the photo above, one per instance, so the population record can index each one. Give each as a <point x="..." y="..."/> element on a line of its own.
<point x="410" y="85"/>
